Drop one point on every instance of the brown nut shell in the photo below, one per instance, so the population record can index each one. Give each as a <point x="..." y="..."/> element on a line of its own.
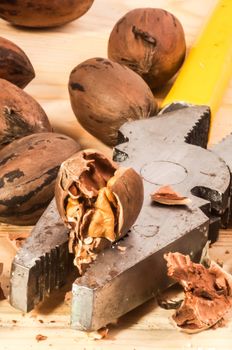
<point x="207" y="292"/>
<point x="127" y="196"/>
<point x="20" y="114"/>
<point x="98" y="201"/>
<point x="28" y="170"/>
<point x="104" y="95"/>
<point x="43" y="13"/>
<point x="151" y="42"/>
<point x="14" y="64"/>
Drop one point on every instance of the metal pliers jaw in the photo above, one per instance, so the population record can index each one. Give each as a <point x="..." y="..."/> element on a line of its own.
<point x="166" y="149"/>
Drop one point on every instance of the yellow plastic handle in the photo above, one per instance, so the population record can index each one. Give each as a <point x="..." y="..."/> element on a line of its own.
<point x="208" y="67"/>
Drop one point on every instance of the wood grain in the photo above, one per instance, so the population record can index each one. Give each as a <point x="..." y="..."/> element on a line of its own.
<point x="54" y="53"/>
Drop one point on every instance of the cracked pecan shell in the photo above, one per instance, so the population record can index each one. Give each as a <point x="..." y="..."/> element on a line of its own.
<point x="208" y="292"/>
<point x="98" y="201"/>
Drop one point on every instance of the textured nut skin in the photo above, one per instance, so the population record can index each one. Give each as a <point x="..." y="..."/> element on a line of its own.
<point x="104" y="95"/>
<point x="151" y="42"/>
<point x="28" y="170"/>
<point x="14" y="64"/>
<point x="43" y="13"/>
<point x="128" y="188"/>
<point x="20" y="114"/>
<point x="207" y="292"/>
<point x="98" y="201"/>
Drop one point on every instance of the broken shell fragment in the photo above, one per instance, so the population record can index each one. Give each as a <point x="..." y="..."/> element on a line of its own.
<point x="99" y="334"/>
<point x="208" y="295"/>
<point x="98" y="201"/>
<point x="14" y="64"/>
<point x="166" y="195"/>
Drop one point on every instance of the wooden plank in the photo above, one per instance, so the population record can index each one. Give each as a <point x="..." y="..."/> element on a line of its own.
<point x="54" y="53"/>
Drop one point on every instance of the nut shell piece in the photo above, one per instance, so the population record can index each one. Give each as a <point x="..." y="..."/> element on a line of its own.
<point x="20" y="114"/>
<point x="28" y="170"/>
<point x="151" y="42"/>
<point x="208" y="295"/>
<point x="98" y="201"/>
<point x="14" y="64"/>
<point x="43" y="13"/>
<point x="104" y="95"/>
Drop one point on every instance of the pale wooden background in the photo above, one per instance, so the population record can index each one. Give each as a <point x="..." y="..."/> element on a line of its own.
<point x="54" y="53"/>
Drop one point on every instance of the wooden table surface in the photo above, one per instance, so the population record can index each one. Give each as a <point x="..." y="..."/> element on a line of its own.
<point x="54" y="53"/>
